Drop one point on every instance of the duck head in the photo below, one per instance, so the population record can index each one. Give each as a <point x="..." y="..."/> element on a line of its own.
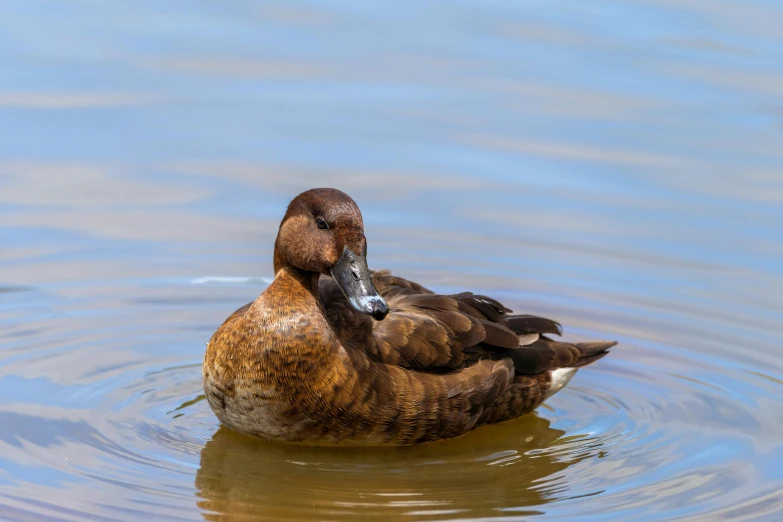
<point x="323" y="233"/>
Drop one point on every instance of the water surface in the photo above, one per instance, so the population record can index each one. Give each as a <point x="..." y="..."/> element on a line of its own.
<point x="613" y="165"/>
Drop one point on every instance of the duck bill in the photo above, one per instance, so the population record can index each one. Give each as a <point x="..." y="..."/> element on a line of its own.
<point x="353" y="277"/>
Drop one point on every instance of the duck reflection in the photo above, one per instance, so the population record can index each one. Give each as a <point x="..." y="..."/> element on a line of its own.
<point x="515" y="467"/>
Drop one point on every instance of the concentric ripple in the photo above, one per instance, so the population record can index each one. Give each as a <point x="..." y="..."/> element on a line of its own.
<point x="109" y="423"/>
<point x="612" y="165"/>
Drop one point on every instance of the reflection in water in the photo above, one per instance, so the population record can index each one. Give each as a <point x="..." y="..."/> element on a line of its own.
<point x="242" y="478"/>
<point x="624" y="181"/>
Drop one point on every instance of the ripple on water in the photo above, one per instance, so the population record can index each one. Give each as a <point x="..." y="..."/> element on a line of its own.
<point x="99" y="412"/>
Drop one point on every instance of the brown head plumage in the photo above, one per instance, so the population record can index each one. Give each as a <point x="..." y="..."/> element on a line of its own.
<point x="318" y="225"/>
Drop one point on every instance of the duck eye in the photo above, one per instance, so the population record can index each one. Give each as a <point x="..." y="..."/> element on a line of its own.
<point x="321" y="224"/>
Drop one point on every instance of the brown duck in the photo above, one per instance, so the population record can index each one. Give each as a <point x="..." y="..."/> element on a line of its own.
<point x="367" y="358"/>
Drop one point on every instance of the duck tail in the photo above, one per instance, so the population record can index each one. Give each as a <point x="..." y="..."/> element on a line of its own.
<point x="591" y="352"/>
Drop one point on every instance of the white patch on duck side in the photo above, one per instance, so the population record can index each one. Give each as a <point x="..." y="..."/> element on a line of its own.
<point x="560" y="378"/>
<point x="525" y="340"/>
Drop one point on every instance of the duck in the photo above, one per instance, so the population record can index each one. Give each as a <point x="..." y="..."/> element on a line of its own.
<point x="334" y="354"/>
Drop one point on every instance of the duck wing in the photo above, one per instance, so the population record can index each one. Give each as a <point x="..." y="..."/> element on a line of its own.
<point x="441" y="333"/>
<point x="385" y="281"/>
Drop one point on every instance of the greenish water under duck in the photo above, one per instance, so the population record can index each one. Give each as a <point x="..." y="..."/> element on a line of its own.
<point x="613" y="166"/>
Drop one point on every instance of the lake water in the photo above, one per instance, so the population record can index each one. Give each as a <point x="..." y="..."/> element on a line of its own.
<point x="617" y="166"/>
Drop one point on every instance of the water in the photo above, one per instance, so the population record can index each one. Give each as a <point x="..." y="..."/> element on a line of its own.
<point x="614" y="165"/>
